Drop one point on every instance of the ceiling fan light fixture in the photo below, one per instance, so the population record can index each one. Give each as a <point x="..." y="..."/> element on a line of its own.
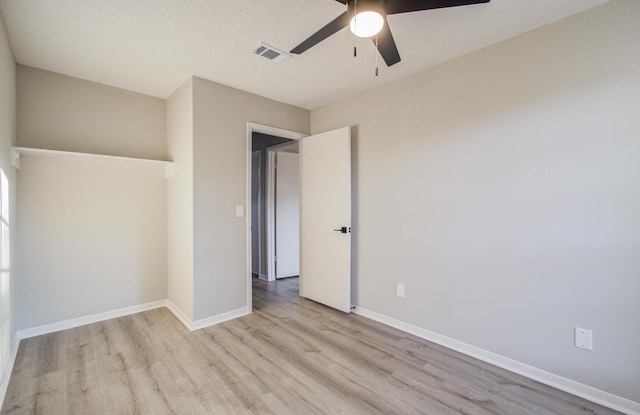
<point x="366" y="23"/>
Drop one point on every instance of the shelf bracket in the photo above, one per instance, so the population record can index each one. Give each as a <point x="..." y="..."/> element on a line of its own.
<point x="15" y="158"/>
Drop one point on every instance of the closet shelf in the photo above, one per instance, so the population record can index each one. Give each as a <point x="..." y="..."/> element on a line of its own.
<point x="17" y="152"/>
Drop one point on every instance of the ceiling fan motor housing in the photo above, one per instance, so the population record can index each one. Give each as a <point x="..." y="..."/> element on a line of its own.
<point x="359" y="6"/>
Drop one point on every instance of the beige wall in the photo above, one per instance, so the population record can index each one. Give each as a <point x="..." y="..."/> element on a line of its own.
<point x="180" y="199"/>
<point x="502" y="189"/>
<point x="7" y="139"/>
<point x="59" y="112"/>
<point x="220" y="153"/>
<point x="92" y="237"/>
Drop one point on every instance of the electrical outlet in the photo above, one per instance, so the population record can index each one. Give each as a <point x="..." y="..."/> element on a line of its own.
<point x="583" y="338"/>
<point x="400" y="290"/>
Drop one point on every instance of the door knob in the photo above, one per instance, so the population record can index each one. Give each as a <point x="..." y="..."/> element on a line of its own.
<point x="344" y="229"/>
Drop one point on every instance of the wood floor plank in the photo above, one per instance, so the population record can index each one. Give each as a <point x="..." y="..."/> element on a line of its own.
<point x="84" y="392"/>
<point x="290" y="356"/>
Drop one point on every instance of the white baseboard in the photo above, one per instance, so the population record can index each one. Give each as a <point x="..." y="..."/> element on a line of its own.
<point x="6" y="375"/>
<point x="93" y="318"/>
<point x="206" y="322"/>
<point x="210" y="321"/>
<point x="180" y="315"/>
<point x="575" y="388"/>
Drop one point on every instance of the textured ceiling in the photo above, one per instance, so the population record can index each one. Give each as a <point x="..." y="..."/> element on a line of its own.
<point x="153" y="46"/>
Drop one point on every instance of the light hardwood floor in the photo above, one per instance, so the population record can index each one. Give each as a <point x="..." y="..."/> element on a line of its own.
<point x="291" y="356"/>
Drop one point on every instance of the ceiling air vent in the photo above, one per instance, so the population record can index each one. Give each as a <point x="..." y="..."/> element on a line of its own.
<point x="271" y="53"/>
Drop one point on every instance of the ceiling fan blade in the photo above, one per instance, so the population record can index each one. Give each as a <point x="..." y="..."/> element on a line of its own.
<point x="405" y="6"/>
<point x="332" y="27"/>
<point x="387" y="46"/>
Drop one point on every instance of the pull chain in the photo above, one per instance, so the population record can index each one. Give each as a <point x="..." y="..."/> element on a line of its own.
<point x="355" y="23"/>
<point x="377" y="52"/>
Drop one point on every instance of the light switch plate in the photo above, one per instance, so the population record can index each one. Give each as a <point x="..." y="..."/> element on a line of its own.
<point x="239" y="211"/>
<point x="583" y="338"/>
<point x="400" y="290"/>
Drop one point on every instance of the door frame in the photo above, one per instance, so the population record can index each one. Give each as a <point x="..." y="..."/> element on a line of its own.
<point x="270" y="211"/>
<point x="250" y="213"/>
<point x="253" y="127"/>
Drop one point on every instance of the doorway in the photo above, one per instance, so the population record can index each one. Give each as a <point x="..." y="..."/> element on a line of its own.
<point x="265" y="145"/>
<point x="274" y="203"/>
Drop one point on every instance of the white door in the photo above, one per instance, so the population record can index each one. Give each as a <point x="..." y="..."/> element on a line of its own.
<point x="287" y="225"/>
<point x="325" y="199"/>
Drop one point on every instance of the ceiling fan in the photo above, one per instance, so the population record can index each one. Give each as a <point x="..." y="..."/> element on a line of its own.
<point x="368" y="18"/>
